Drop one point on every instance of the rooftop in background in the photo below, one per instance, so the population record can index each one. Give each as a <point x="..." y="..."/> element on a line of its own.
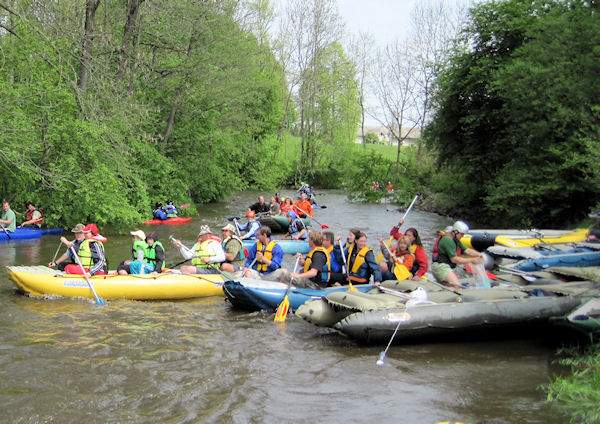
<point x="386" y="137"/>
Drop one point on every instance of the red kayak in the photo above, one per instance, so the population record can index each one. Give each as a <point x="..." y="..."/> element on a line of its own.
<point x="174" y="220"/>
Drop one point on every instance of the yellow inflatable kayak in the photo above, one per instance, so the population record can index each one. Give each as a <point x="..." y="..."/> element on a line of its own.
<point x="481" y="242"/>
<point x="44" y="281"/>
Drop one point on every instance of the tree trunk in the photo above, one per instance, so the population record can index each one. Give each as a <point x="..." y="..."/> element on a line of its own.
<point x="88" y="43"/>
<point x="128" y="30"/>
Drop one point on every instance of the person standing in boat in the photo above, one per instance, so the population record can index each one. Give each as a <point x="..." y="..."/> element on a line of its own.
<point x="91" y="255"/>
<point x="9" y="219"/>
<point x="360" y="261"/>
<point x="234" y="250"/>
<point x="317" y="266"/>
<point x="206" y="255"/>
<point x="296" y="228"/>
<point x="251" y="227"/>
<point x="159" y="212"/>
<point x="34" y="217"/>
<point x="449" y="251"/>
<point x="67" y="257"/>
<point x="260" y="206"/>
<point x="265" y="257"/>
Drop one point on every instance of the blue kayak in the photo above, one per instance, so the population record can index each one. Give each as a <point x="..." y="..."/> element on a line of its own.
<point x="578" y="259"/>
<point x="29" y="233"/>
<point x="290" y="247"/>
<point x="252" y="294"/>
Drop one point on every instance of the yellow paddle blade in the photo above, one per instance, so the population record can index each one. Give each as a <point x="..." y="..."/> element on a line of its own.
<point x="351" y="287"/>
<point x="282" y="310"/>
<point x="380" y="256"/>
<point x="401" y="272"/>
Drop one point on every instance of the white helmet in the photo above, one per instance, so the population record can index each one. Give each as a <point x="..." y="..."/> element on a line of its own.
<point x="460" y="226"/>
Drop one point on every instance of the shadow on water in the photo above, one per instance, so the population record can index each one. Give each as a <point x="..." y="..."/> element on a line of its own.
<point x="71" y="361"/>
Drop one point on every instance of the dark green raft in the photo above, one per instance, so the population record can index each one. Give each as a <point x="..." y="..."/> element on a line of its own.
<point x="373" y="317"/>
<point x="585" y="319"/>
<point x="278" y="223"/>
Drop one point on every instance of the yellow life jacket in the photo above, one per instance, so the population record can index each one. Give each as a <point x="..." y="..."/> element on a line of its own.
<point x="267" y="253"/>
<point x="359" y="261"/>
<point x="326" y="269"/>
<point x="203" y="252"/>
<point x="85" y="253"/>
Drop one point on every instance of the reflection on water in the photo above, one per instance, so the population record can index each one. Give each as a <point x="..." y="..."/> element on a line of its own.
<point x="72" y="361"/>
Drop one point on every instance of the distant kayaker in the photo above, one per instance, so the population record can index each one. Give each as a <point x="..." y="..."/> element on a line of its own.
<point x="260" y="206"/>
<point x="449" y="251"/>
<point x="34" y="217"/>
<point x="251" y="227"/>
<point x="206" y="255"/>
<point x="268" y="255"/>
<point x="91" y="254"/>
<point x="67" y="257"/>
<point x="317" y="266"/>
<point x="296" y="228"/>
<point x="170" y="209"/>
<point x="159" y="212"/>
<point x="234" y="250"/>
<point x="9" y="219"/>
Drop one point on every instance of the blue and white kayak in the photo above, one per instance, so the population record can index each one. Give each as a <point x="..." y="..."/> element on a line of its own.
<point x="29" y="233"/>
<point x="290" y="247"/>
<point x="252" y="294"/>
<point x="569" y="260"/>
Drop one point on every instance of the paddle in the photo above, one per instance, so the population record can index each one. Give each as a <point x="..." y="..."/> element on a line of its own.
<point x="311" y="218"/>
<point x="98" y="300"/>
<point x="389" y="242"/>
<point x="522" y="274"/>
<point x="56" y="253"/>
<point x="237" y="228"/>
<point x="185" y="205"/>
<point x="233" y="218"/>
<point x="284" y="306"/>
<point x="400" y="271"/>
<point x="381" y="359"/>
<point x="350" y="286"/>
<point x="6" y="231"/>
<point x="446" y="288"/>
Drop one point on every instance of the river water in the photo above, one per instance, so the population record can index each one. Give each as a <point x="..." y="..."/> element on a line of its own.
<point x="71" y="361"/>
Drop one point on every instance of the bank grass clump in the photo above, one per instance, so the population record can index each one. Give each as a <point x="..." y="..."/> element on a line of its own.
<point x="579" y="392"/>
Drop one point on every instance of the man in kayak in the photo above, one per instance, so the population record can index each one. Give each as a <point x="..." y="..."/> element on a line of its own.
<point x="449" y="251"/>
<point x="159" y="212"/>
<point x="251" y="227"/>
<point x="9" y="220"/>
<point x="264" y="257"/>
<point x="206" y="255"/>
<point x="317" y="266"/>
<point x="296" y="228"/>
<point x="170" y="209"/>
<point x="260" y="206"/>
<point x="67" y="257"/>
<point x="34" y="217"/>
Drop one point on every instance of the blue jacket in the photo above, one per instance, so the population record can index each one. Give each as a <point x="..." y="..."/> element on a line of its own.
<point x="275" y="260"/>
<point x="160" y="214"/>
<point x="251" y="228"/>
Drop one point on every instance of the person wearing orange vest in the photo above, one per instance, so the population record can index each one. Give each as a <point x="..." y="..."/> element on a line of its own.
<point x="449" y="251"/>
<point x="421" y="264"/>
<point x="317" y="266"/>
<point x="401" y="255"/>
<point x="206" y="255"/>
<point x="268" y="255"/>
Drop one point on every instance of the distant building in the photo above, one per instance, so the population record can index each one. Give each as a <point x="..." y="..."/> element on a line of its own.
<point x="386" y="137"/>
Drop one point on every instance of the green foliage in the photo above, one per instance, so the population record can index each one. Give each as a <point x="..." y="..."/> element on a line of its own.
<point x="516" y="113"/>
<point x="371" y="138"/>
<point x="580" y="391"/>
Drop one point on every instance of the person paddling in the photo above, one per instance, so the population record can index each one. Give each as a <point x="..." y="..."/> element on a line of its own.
<point x="91" y="255"/>
<point x="159" y="212"/>
<point x="9" y="219"/>
<point x="251" y="227"/>
<point x="34" y="217"/>
<point x="449" y="251"/>
<point x="317" y="265"/>
<point x="206" y="255"/>
<point x="264" y="258"/>
<point x="401" y="256"/>
<point x="67" y="257"/>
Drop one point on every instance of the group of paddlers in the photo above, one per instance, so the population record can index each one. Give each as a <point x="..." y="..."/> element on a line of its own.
<point x="8" y="219"/>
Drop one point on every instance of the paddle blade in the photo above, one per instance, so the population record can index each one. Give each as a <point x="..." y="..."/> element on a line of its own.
<point x="233" y="218"/>
<point x="401" y="272"/>
<point x="324" y="226"/>
<point x="185" y="205"/>
<point x="351" y="287"/>
<point x="282" y="310"/>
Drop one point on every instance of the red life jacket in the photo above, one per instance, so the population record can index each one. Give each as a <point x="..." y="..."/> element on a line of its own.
<point x="436" y="257"/>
